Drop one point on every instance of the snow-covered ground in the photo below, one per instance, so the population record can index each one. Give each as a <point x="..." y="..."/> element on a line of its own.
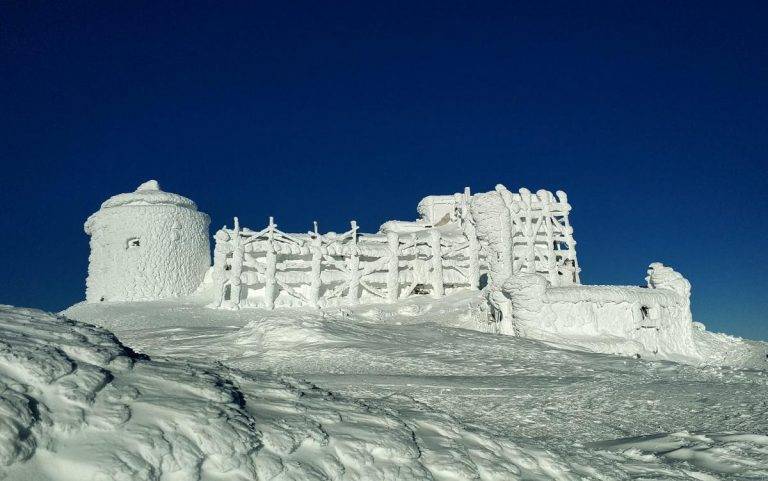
<point x="416" y="395"/>
<point x="78" y="405"/>
<point x="391" y="392"/>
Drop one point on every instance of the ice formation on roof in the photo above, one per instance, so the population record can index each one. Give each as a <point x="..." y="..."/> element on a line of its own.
<point x="148" y="193"/>
<point x="149" y="185"/>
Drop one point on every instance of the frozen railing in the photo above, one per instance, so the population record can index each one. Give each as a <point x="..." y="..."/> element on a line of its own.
<point x="269" y="268"/>
<point x="498" y="233"/>
<point x="542" y="236"/>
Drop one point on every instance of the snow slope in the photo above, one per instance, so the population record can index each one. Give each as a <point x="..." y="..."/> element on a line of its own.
<point x="557" y="413"/>
<point x="78" y="405"/>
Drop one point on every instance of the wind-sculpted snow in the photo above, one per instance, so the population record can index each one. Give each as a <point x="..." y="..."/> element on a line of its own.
<point x="745" y="456"/>
<point x="534" y="410"/>
<point x="78" y="405"/>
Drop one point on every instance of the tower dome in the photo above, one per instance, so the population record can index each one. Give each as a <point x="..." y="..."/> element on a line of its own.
<point x="146" y="245"/>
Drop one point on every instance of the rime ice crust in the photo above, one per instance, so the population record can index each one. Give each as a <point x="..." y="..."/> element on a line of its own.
<point x="494" y="229"/>
<point x="151" y="244"/>
<point x="146" y="245"/>
<point x="533" y="289"/>
<point x="148" y="193"/>
<point x="657" y="318"/>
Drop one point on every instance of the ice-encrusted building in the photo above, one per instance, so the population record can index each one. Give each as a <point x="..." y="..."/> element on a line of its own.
<point x="527" y="297"/>
<point x="146" y="245"/>
<point x="517" y="248"/>
<point x="453" y="246"/>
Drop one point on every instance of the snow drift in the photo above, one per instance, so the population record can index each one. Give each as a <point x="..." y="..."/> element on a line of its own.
<point x="76" y="404"/>
<point x="544" y="413"/>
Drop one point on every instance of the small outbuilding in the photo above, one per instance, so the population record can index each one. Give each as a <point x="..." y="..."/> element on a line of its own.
<point x="146" y="245"/>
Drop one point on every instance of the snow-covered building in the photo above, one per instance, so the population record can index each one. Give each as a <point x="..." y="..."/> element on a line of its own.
<point x="516" y="248"/>
<point x="533" y="283"/>
<point x="146" y="245"/>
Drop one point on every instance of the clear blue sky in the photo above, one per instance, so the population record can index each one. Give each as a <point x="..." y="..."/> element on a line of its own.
<point x="652" y="116"/>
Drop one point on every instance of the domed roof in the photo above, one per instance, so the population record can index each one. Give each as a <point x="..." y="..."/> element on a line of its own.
<point x="148" y="193"/>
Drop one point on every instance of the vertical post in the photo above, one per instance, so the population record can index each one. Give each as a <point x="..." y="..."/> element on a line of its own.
<point x="438" y="289"/>
<point x="393" y="267"/>
<point x="220" y="255"/>
<point x="530" y="235"/>
<point x="317" y="259"/>
<point x="531" y="245"/>
<point x="473" y="249"/>
<point x="220" y="251"/>
<point x="238" y="253"/>
<point x="353" y="295"/>
<point x="507" y="248"/>
<point x="569" y="240"/>
<point x="515" y="227"/>
<point x="551" y="262"/>
<point x="546" y="217"/>
<point x="270" y="286"/>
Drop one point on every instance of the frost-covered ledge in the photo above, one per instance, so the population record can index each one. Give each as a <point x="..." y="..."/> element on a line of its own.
<point x="657" y="317"/>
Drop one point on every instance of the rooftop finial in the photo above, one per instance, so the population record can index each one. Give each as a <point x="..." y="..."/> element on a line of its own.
<point x="148" y="185"/>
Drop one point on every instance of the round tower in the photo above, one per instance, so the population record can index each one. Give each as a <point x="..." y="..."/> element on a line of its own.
<point x="146" y="245"/>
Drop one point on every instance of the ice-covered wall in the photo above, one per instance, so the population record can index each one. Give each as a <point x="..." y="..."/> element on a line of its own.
<point x="658" y="317"/>
<point x="146" y="245"/>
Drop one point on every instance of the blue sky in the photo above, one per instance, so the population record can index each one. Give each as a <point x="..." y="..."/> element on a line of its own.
<point x="652" y="116"/>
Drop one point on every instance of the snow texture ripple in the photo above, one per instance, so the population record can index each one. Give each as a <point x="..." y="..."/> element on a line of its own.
<point x="479" y="405"/>
<point x="78" y="405"/>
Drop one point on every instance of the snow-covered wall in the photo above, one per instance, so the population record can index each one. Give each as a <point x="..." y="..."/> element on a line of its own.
<point x="658" y="317"/>
<point x="146" y="245"/>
